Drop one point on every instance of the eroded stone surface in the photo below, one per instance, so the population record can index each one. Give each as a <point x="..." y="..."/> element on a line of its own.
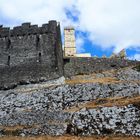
<point x="106" y="120"/>
<point x="42" y="109"/>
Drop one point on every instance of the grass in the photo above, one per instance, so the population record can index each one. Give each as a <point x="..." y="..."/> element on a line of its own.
<point x="138" y="68"/>
<point x="71" y="138"/>
<point x="97" y="80"/>
<point x="107" y="77"/>
<point x="108" y="102"/>
<point x="14" y="130"/>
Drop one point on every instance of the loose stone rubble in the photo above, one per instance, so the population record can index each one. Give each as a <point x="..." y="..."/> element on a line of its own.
<point x="43" y="109"/>
<point x="106" y="120"/>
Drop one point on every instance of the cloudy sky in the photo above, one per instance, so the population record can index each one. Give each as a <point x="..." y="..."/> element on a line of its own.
<point x="102" y="26"/>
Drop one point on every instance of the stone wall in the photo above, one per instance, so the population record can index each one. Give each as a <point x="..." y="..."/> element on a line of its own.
<point x="29" y="53"/>
<point x="74" y="66"/>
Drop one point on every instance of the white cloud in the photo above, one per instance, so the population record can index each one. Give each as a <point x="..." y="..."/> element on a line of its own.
<point x="79" y="44"/>
<point x="36" y="11"/>
<point x="109" y="22"/>
<point x="135" y="57"/>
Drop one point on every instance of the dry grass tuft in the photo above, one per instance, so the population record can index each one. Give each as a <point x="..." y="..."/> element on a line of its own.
<point x="71" y="138"/>
<point x="108" y="102"/>
<point x="103" y="80"/>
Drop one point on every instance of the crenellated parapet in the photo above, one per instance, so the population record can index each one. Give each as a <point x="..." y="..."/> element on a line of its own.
<point x="29" y="53"/>
<point x="28" y="29"/>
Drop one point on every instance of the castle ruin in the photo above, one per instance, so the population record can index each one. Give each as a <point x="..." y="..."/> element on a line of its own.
<point x="30" y="54"/>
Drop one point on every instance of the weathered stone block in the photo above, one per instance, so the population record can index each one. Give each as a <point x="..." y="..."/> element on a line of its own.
<point x="29" y="52"/>
<point x="4" y="32"/>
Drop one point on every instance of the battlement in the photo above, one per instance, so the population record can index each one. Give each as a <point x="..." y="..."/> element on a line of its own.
<point x="30" y="53"/>
<point x="28" y="29"/>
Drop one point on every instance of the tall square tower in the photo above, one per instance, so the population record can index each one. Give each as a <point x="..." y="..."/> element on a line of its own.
<point x="69" y="42"/>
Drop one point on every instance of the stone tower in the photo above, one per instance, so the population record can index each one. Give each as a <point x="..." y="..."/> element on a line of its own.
<point x="29" y="53"/>
<point x="69" y="42"/>
<point x="122" y="54"/>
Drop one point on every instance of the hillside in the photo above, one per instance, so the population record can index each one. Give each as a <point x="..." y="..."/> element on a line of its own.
<point x="105" y="105"/>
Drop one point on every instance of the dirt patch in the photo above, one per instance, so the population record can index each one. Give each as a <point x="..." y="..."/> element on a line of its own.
<point x="70" y="138"/>
<point x="108" y="102"/>
<point x="97" y="80"/>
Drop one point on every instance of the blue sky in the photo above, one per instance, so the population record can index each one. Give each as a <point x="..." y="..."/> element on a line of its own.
<point x="102" y="26"/>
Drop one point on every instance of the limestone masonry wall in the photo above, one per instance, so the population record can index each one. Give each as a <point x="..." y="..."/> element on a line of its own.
<point x="74" y="66"/>
<point x="29" y="53"/>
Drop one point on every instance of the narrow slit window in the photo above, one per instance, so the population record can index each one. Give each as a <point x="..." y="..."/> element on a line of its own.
<point x="37" y="41"/>
<point x="8" y="61"/>
<point x="8" y="43"/>
<point x="39" y="57"/>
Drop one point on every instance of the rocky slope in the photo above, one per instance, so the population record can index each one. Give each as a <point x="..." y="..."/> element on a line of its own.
<point x="97" y="104"/>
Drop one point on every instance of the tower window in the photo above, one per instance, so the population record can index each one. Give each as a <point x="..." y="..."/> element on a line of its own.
<point x="8" y="43"/>
<point x="8" y="61"/>
<point x="40" y="57"/>
<point x="37" y="41"/>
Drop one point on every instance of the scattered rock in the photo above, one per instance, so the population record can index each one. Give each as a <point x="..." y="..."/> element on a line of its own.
<point x="41" y="108"/>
